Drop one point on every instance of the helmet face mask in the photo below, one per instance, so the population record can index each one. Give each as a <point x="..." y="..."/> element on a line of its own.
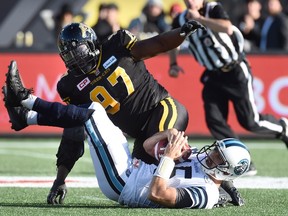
<point x="226" y="159"/>
<point x="77" y="44"/>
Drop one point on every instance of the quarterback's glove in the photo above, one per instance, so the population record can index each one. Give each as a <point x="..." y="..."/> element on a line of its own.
<point x="237" y="200"/>
<point x="222" y="202"/>
<point x="57" y="194"/>
<point x="190" y="27"/>
<point x="234" y="194"/>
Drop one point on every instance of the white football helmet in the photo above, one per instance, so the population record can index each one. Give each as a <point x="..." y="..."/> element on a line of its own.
<point x="235" y="156"/>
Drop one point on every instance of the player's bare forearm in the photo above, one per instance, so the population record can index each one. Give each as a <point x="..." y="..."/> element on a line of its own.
<point x="160" y="193"/>
<point x="158" y="44"/>
<point x="218" y="25"/>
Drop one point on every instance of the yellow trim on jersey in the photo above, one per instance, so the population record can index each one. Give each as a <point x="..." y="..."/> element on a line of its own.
<point x="174" y="113"/>
<point x="66" y="100"/>
<point x="166" y="112"/>
<point x="164" y="116"/>
<point x="131" y="44"/>
<point x="132" y="41"/>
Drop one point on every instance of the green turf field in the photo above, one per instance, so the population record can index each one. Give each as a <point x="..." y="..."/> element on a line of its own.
<point x="36" y="157"/>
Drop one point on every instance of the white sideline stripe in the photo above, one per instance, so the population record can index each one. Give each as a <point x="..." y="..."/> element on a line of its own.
<point x="260" y="182"/>
<point x="255" y="182"/>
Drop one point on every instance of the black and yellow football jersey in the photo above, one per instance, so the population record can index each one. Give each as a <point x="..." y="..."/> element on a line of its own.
<point x="127" y="91"/>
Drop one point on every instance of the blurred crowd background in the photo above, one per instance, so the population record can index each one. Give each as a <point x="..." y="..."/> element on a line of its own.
<point x="33" y="26"/>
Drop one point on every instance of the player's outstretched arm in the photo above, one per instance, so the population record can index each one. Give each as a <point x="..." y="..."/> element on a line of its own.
<point x="163" y="42"/>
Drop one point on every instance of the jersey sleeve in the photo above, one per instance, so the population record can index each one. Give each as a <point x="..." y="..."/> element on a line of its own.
<point x="63" y="89"/>
<point x="175" y="23"/>
<point x="217" y="11"/>
<point x="125" y="39"/>
<point x="192" y="197"/>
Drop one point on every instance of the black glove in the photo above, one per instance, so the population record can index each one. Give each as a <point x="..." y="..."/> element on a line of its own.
<point x="190" y="27"/>
<point x="55" y="192"/>
<point x="235" y="196"/>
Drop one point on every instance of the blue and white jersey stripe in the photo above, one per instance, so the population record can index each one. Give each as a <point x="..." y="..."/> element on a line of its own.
<point x="199" y="197"/>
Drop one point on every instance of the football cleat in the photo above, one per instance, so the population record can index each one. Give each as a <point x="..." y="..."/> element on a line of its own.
<point x="17" y="115"/>
<point x="236" y="198"/>
<point x="10" y="99"/>
<point x="15" y="92"/>
<point x="284" y="135"/>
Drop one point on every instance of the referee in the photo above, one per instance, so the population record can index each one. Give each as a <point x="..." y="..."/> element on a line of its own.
<point x="227" y="76"/>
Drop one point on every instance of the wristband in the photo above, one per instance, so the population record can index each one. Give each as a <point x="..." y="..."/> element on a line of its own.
<point x="165" y="168"/>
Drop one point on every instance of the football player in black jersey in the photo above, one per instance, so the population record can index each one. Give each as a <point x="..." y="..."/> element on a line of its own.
<point x="113" y="73"/>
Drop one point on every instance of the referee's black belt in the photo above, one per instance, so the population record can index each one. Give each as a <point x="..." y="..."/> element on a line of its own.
<point x="229" y="67"/>
<point x="232" y="65"/>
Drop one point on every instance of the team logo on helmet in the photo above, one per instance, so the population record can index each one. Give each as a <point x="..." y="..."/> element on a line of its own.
<point x="84" y="29"/>
<point x="242" y="167"/>
<point x="74" y="44"/>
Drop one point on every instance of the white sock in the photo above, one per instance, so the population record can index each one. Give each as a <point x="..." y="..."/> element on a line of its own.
<point x="32" y="118"/>
<point x="29" y="102"/>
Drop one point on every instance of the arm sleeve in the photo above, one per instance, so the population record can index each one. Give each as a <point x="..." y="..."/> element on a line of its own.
<point x="65" y="90"/>
<point x="217" y="11"/>
<point x="175" y="23"/>
<point x="126" y="39"/>
<point x="192" y="197"/>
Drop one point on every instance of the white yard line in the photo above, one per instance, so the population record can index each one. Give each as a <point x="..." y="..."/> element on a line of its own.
<point x="261" y="182"/>
<point x="256" y="182"/>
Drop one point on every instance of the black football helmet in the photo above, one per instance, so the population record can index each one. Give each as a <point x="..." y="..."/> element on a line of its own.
<point x="79" y="48"/>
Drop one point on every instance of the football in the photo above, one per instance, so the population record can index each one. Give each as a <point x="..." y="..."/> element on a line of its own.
<point x="159" y="149"/>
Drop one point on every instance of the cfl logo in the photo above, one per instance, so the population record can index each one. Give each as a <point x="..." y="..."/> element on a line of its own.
<point x="83" y="83"/>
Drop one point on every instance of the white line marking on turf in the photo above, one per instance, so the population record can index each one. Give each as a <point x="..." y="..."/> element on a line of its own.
<point x="261" y="182"/>
<point x="255" y="182"/>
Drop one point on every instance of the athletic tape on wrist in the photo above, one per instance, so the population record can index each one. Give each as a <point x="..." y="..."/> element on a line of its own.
<point x="165" y="168"/>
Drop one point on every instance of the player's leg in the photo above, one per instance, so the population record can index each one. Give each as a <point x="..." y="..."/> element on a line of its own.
<point x="47" y="113"/>
<point x="109" y="151"/>
<point x="169" y="113"/>
<point x="247" y="113"/>
<point x="216" y="112"/>
<point x="44" y="112"/>
<point x="71" y="148"/>
<point x="108" y="146"/>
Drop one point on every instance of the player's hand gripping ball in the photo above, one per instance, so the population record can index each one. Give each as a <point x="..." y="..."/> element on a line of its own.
<point x="159" y="149"/>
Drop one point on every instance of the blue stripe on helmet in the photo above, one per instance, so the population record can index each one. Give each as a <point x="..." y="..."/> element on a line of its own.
<point x="234" y="142"/>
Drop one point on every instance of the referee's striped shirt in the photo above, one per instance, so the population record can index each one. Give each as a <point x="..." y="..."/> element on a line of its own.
<point x="213" y="50"/>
